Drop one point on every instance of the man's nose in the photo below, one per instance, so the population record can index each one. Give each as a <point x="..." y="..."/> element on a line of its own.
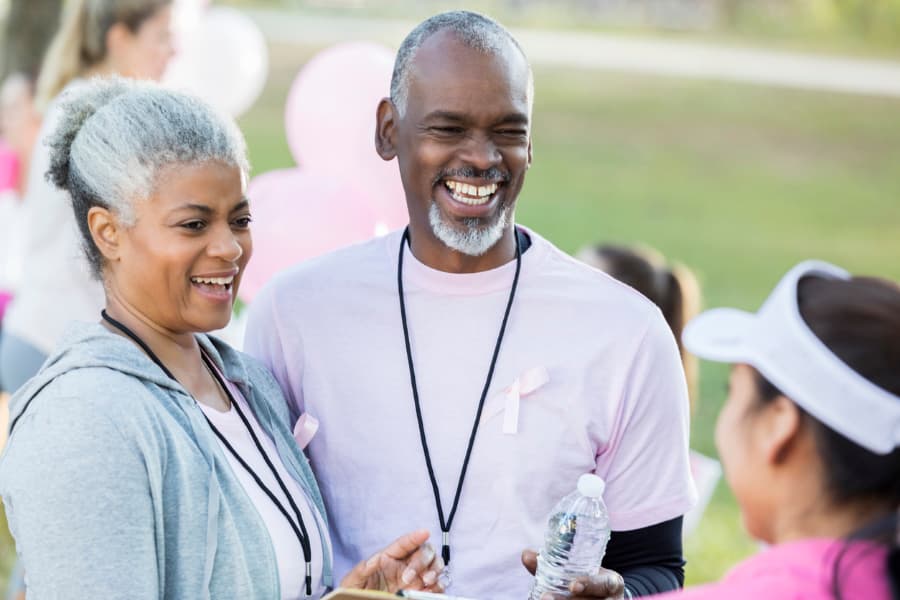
<point x="481" y="152"/>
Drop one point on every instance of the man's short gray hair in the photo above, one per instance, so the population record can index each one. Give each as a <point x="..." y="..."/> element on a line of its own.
<point x="115" y="136"/>
<point x="472" y="29"/>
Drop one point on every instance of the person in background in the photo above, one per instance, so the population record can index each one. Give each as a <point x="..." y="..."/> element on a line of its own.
<point x="810" y="435"/>
<point x="20" y="123"/>
<point x="19" y="126"/>
<point x="129" y="38"/>
<point x="675" y="290"/>
<point x="672" y="287"/>
<point x="469" y="362"/>
<point x="146" y="459"/>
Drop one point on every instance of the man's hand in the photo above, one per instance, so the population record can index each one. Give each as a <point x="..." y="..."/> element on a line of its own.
<point x="604" y="584"/>
<point x="407" y="563"/>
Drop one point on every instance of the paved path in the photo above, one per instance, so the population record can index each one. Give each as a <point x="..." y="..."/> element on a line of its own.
<point x="623" y="53"/>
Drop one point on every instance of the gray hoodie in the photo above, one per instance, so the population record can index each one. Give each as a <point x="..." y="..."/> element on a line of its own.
<point x="115" y="486"/>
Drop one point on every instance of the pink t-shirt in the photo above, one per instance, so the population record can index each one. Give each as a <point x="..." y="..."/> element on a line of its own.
<point x="288" y="552"/>
<point x="600" y="390"/>
<point x="801" y="570"/>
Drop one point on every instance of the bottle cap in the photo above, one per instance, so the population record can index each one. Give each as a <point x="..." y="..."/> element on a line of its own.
<point x="591" y="486"/>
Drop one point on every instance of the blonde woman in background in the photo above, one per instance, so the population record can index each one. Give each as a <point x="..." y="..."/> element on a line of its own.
<point x="129" y="38"/>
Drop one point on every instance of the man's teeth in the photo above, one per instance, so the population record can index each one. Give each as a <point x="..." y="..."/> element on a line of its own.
<point x="471" y="194"/>
<point x="213" y="280"/>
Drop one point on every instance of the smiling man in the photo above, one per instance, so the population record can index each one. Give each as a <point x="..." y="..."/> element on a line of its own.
<point x="464" y="372"/>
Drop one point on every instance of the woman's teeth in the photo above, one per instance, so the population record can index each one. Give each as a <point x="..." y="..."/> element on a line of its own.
<point x="471" y="194"/>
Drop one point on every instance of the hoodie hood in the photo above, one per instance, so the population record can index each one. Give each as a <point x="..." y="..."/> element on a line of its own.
<point x="91" y="345"/>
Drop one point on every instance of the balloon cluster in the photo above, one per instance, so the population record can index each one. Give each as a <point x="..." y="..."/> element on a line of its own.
<point x="342" y="192"/>
<point x="221" y="56"/>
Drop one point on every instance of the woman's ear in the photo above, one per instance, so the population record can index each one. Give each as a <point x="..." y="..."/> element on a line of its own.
<point x="780" y="430"/>
<point x="118" y="39"/>
<point x="105" y="231"/>
<point x="385" y="129"/>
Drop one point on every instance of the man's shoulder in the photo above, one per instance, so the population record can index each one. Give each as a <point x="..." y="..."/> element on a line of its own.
<point x="355" y="263"/>
<point x="589" y="286"/>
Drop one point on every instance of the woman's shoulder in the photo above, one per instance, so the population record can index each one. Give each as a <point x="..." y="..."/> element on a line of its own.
<point x="240" y="366"/>
<point x="86" y="399"/>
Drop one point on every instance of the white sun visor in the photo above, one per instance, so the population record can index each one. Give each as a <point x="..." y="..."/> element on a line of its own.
<point x="778" y="343"/>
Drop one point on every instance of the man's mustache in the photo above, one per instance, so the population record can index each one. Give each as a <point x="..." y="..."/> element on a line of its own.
<point x="493" y="175"/>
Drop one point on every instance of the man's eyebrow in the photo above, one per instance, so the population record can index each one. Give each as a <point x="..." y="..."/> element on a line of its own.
<point x="444" y="115"/>
<point x="514" y="119"/>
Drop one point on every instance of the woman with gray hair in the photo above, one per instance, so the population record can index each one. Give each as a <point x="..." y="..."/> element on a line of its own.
<point x="146" y="459"/>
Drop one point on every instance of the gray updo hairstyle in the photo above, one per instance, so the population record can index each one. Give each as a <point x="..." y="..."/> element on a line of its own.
<point x="113" y="138"/>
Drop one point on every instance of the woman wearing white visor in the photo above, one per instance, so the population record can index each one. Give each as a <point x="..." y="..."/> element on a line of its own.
<point x="810" y="435"/>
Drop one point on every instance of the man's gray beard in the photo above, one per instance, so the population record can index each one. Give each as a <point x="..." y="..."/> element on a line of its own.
<point x="475" y="239"/>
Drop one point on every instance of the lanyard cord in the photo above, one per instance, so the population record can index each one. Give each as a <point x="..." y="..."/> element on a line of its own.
<point x="301" y="533"/>
<point x="446" y="524"/>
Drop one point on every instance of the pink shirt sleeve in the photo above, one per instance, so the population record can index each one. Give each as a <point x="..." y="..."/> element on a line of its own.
<point x="646" y="461"/>
<point x="263" y="340"/>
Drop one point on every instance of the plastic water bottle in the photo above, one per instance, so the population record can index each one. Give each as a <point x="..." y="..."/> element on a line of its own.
<point x="577" y="533"/>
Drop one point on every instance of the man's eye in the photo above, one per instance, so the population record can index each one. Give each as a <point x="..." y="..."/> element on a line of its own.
<point x="513" y="132"/>
<point x="194" y="225"/>
<point x="447" y="130"/>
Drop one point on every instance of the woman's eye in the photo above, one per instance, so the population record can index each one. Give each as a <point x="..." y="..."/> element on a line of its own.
<point x="243" y="222"/>
<point x="194" y="225"/>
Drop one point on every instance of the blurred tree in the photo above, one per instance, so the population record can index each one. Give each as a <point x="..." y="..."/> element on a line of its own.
<point x="871" y="18"/>
<point x="29" y="27"/>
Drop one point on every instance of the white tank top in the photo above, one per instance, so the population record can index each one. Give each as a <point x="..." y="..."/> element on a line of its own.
<point x="288" y="552"/>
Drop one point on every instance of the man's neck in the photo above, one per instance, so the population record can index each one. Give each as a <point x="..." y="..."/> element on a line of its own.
<point x="434" y="253"/>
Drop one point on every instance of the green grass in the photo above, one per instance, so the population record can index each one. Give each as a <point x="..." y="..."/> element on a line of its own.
<point x="738" y="182"/>
<point x="816" y="26"/>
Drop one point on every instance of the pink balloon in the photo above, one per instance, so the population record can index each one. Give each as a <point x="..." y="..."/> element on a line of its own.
<point x="330" y="123"/>
<point x="299" y="215"/>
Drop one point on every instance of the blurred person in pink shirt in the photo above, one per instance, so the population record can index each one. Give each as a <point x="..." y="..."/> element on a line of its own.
<point x="810" y="436"/>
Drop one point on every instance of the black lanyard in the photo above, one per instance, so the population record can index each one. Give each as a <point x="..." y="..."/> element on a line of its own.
<point x="447" y="523"/>
<point x="301" y="533"/>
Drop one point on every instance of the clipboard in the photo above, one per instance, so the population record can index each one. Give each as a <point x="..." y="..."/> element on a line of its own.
<point x="347" y="594"/>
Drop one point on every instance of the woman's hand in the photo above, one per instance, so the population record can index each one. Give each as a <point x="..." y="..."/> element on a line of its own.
<point x="407" y="563"/>
<point x="605" y="584"/>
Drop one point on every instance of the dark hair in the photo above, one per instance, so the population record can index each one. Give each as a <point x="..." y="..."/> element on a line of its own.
<point x="671" y="287"/>
<point x="859" y="321"/>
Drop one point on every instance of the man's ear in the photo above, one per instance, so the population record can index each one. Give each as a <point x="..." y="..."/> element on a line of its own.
<point x="105" y="231"/>
<point x="386" y="129"/>
<point x="781" y="430"/>
<point x="530" y="153"/>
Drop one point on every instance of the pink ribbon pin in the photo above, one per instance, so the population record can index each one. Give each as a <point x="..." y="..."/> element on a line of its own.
<point x="306" y="427"/>
<point x="523" y="385"/>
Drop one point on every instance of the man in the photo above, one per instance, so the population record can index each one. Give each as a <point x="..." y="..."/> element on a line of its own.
<point x="465" y="376"/>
